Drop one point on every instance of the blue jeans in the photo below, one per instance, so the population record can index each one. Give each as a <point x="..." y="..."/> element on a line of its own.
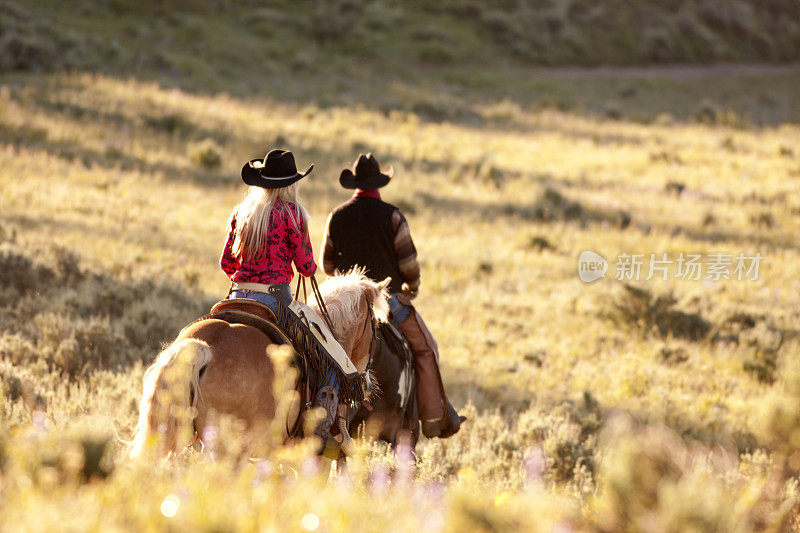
<point x="272" y="299"/>
<point x="266" y="299"/>
<point x="400" y="311"/>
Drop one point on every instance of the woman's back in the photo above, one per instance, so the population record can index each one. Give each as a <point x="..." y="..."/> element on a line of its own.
<point x="285" y="241"/>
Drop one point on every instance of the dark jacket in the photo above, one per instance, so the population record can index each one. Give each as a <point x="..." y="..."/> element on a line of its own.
<point x="368" y="232"/>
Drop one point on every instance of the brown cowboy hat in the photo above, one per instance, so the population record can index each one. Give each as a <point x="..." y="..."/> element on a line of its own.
<point x="276" y="170"/>
<point x="366" y="174"/>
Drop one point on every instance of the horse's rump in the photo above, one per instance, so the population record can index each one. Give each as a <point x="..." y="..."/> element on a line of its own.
<point x="287" y="328"/>
<point x="239" y="379"/>
<point x="213" y="368"/>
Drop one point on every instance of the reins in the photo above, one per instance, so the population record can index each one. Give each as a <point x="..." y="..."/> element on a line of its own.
<point x="318" y="295"/>
<point x="300" y="280"/>
<point x="373" y="339"/>
<point x="370" y="319"/>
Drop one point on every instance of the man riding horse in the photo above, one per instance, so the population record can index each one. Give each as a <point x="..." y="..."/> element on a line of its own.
<point x="367" y="232"/>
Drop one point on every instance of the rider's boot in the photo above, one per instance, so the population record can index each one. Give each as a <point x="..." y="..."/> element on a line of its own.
<point x="438" y="417"/>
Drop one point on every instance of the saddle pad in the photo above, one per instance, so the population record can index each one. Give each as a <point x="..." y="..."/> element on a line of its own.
<point x="395" y="340"/>
<point x="236" y="316"/>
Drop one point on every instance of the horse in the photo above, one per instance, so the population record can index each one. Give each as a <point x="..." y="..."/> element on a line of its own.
<point x="393" y="410"/>
<point x="216" y="368"/>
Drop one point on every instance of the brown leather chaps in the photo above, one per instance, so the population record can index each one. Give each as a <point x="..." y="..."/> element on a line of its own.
<point x="431" y="399"/>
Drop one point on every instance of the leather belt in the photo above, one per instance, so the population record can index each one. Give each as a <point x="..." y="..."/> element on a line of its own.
<point x="266" y="288"/>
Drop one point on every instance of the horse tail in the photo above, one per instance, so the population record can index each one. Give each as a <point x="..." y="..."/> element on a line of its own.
<point x="169" y="395"/>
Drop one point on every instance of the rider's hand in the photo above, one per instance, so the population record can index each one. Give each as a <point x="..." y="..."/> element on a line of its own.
<point x="408" y="292"/>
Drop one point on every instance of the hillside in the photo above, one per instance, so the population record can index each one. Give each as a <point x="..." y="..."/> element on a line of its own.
<point x="286" y="48"/>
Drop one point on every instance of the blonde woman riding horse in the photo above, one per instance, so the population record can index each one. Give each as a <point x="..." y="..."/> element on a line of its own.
<point x="268" y="232"/>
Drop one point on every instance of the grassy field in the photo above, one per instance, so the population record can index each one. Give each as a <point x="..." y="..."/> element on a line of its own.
<point x="644" y="405"/>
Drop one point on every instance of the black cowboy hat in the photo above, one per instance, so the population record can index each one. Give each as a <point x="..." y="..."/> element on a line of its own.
<point x="276" y="170"/>
<point x="366" y="174"/>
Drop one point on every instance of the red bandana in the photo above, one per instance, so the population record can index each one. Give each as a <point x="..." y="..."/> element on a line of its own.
<point x="367" y="193"/>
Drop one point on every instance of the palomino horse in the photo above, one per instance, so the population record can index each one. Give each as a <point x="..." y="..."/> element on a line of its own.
<point x="225" y="369"/>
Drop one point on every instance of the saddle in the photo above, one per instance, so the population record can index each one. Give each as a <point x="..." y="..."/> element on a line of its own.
<point x="250" y="313"/>
<point x="247" y="305"/>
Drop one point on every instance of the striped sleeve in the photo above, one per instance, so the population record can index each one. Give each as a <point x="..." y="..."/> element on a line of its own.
<point x="328" y="249"/>
<point x="406" y="253"/>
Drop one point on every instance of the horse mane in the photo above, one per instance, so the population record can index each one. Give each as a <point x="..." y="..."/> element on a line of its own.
<point x="342" y="294"/>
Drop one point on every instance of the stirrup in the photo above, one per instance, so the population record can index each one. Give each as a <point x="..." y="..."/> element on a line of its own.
<point x="326" y="398"/>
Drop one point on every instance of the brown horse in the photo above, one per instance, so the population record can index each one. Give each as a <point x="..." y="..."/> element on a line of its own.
<point x="394" y="411"/>
<point x="217" y="368"/>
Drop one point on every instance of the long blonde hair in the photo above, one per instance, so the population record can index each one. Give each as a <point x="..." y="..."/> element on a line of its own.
<point x="253" y="214"/>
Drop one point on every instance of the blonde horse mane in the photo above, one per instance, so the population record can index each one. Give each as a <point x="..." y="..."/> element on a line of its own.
<point x="342" y="294"/>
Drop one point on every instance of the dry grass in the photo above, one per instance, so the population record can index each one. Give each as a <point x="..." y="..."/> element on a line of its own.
<point x="110" y="219"/>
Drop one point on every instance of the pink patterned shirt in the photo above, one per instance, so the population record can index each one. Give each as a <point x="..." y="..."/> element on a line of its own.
<point x="284" y="245"/>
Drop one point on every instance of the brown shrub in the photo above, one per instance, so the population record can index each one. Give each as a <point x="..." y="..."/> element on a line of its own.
<point x="79" y="320"/>
<point x="639" y="308"/>
<point x="205" y="154"/>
